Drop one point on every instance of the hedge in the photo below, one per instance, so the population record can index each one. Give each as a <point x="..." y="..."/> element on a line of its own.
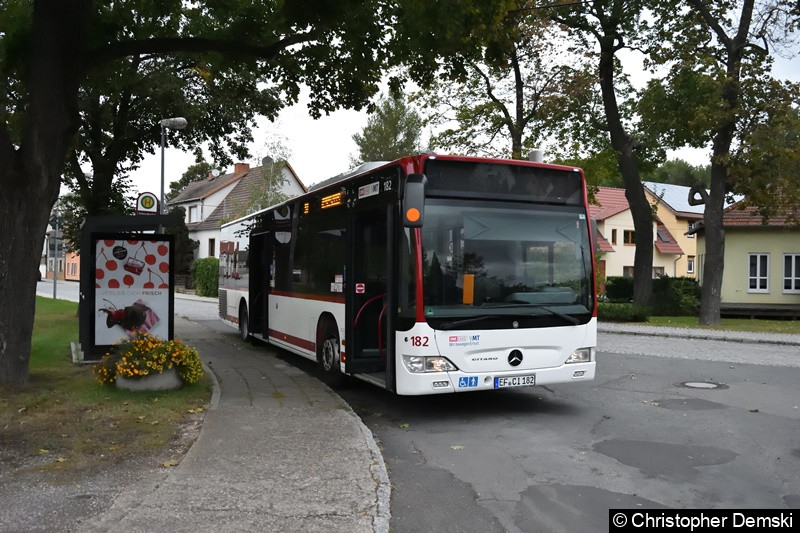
<point x="621" y="312"/>
<point x="205" y="276"/>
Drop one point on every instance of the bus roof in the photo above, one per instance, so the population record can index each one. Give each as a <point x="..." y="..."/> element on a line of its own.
<point x="415" y="160"/>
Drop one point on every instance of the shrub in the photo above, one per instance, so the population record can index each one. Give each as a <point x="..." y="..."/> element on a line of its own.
<point x="144" y="354"/>
<point x="622" y="312"/>
<point x="619" y="288"/>
<point x="205" y="276"/>
<point x="675" y="296"/>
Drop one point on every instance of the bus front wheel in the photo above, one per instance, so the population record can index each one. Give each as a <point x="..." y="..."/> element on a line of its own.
<point x="244" y="324"/>
<point x="328" y="354"/>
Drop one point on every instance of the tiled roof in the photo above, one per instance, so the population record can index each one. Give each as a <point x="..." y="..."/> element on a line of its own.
<point x="741" y="215"/>
<point x="610" y="201"/>
<point x="234" y="204"/>
<point x="602" y="244"/>
<point x="665" y="242"/>
<point x="198" y="190"/>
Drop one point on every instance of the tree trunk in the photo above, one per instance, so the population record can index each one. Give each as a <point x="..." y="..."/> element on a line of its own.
<point x="714" y="262"/>
<point x="30" y="174"/>
<point x="723" y="135"/>
<point x="623" y="145"/>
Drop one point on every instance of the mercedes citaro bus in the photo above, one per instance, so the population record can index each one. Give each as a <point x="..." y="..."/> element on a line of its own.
<point x="426" y="275"/>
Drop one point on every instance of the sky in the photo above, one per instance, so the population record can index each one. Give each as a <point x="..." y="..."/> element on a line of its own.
<point x="322" y="148"/>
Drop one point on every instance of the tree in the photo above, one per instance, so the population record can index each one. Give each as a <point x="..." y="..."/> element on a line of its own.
<point x="197" y="172"/>
<point x="392" y="131"/>
<point x="606" y="27"/>
<point x="679" y="172"/>
<point x="49" y="51"/>
<point x="503" y="98"/>
<point x="184" y="246"/>
<point x="719" y="76"/>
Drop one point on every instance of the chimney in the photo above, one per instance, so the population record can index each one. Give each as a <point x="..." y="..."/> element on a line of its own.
<point x="211" y="175"/>
<point x="240" y="167"/>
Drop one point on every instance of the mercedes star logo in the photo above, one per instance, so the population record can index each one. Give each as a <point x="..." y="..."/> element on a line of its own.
<point x="515" y="358"/>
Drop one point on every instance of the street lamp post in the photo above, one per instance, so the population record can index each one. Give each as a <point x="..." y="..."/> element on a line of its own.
<point x="177" y="123"/>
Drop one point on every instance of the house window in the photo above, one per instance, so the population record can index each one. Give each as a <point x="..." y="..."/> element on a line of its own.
<point x="629" y="236"/>
<point x="613" y="236"/>
<point x="791" y="273"/>
<point x="690" y="228"/>
<point x="211" y="247"/>
<point x="658" y="272"/>
<point x="757" y="279"/>
<point x="690" y="264"/>
<point x="627" y="271"/>
<point x="193" y="214"/>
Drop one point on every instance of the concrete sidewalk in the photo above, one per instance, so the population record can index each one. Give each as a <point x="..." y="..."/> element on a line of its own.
<point x="278" y="451"/>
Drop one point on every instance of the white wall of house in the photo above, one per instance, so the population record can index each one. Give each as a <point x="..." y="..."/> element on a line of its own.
<point x="204" y="237"/>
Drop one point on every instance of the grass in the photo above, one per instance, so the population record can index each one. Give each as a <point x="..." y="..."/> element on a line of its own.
<point x="731" y="324"/>
<point x="68" y="422"/>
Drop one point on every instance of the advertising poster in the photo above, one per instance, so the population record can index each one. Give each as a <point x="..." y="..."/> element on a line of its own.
<point x="132" y="289"/>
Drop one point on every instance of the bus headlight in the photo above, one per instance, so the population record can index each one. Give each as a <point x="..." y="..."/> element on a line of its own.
<point x="419" y="363"/>
<point x="581" y="355"/>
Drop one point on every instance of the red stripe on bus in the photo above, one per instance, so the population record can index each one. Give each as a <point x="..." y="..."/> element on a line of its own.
<point x="291" y="339"/>
<point x="303" y="296"/>
<point x="418" y="274"/>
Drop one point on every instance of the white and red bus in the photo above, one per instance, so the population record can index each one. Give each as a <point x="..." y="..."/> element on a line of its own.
<point x="430" y="274"/>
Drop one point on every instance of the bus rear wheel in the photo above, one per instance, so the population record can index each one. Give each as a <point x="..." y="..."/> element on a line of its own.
<point x="328" y="354"/>
<point x="244" y="324"/>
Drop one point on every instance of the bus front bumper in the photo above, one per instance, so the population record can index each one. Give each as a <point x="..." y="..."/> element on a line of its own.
<point x="457" y="381"/>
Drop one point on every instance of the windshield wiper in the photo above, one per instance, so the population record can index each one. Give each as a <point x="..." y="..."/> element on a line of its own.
<point x="568" y="318"/>
<point x="467" y="321"/>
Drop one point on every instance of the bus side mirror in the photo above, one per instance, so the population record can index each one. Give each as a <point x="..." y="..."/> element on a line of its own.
<point x="414" y="200"/>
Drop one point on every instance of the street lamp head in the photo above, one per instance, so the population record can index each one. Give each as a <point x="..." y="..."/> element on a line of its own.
<point x="177" y="123"/>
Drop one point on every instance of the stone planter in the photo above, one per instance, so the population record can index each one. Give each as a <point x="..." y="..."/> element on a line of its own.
<point x="166" y="380"/>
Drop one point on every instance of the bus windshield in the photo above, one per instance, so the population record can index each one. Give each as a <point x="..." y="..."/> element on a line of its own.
<point x="504" y="259"/>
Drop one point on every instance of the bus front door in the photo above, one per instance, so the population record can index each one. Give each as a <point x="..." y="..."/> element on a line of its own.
<point x="367" y="286"/>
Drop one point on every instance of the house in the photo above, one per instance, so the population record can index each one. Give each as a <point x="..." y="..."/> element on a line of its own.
<point x="210" y="202"/>
<point x="679" y="218"/>
<point x="762" y="263"/>
<point x="617" y="237"/>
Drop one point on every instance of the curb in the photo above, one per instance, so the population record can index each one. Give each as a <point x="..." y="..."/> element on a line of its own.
<point x="722" y="336"/>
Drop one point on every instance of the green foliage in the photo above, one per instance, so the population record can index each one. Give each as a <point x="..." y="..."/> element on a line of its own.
<point x="505" y="92"/>
<point x="679" y="172"/>
<point x="766" y="168"/>
<point x="600" y="168"/>
<point x="269" y="188"/>
<point x="619" y="288"/>
<point x="675" y="297"/>
<point x="184" y="246"/>
<point x="621" y="312"/>
<point x="392" y="131"/>
<point x="205" y="275"/>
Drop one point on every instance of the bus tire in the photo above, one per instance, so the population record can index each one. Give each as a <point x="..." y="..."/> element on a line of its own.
<point x="244" y="323"/>
<point x="328" y="353"/>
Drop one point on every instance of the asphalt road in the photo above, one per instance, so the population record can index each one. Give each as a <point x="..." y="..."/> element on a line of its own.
<point x="557" y="459"/>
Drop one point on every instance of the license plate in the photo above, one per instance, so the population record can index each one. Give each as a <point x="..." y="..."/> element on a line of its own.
<point x="515" y="381"/>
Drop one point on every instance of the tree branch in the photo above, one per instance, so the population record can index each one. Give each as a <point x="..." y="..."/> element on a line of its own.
<point x="490" y="92"/>
<point x="196" y="44"/>
<point x="712" y="21"/>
